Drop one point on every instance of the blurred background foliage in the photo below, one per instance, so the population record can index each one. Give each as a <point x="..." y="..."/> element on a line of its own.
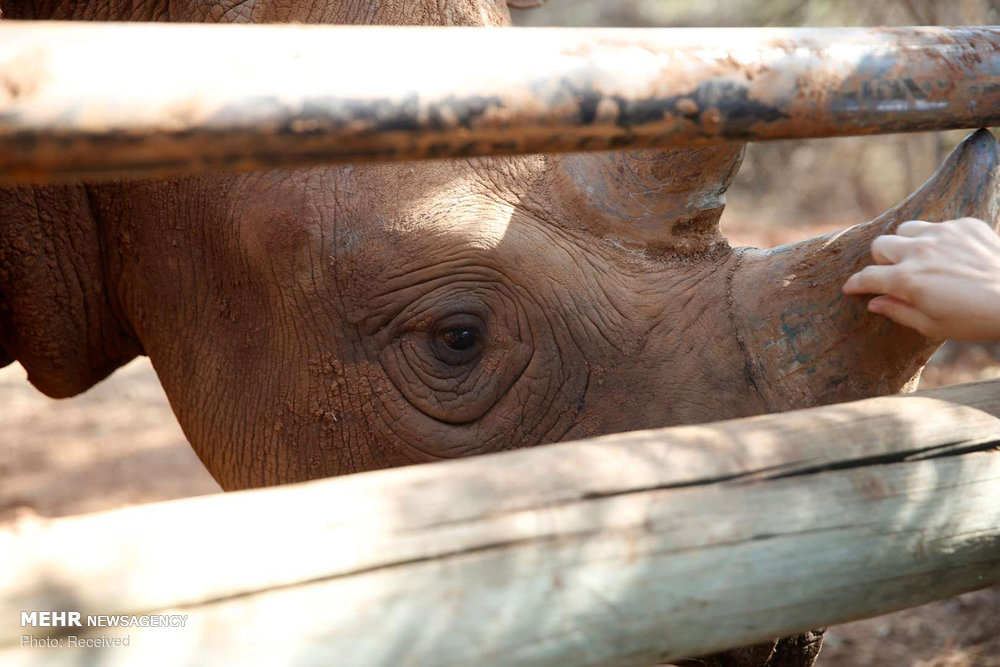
<point x="791" y="189"/>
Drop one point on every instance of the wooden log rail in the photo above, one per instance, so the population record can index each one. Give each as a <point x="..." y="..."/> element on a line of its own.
<point x="623" y="550"/>
<point x="91" y="100"/>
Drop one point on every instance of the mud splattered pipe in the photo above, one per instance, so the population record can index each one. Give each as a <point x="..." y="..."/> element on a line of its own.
<point x="99" y="100"/>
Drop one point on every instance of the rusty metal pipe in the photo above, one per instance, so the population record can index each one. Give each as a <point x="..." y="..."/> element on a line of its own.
<point x="105" y="100"/>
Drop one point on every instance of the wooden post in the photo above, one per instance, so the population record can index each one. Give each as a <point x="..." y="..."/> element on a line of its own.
<point x="624" y="550"/>
<point x="93" y="100"/>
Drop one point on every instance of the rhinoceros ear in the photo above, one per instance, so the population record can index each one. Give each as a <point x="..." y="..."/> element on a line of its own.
<point x="59" y="310"/>
<point x="808" y="344"/>
<point x="662" y="202"/>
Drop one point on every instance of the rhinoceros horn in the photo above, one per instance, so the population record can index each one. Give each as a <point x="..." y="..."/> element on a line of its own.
<point x="808" y="344"/>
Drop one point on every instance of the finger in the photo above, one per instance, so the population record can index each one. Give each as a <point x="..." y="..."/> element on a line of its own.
<point x="872" y="280"/>
<point x="974" y="227"/>
<point x="903" y="313"/>
<point x="890" y="249"/>
<point x="913" y="228"/>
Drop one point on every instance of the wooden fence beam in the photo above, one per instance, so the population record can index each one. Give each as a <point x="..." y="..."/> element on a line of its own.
<point x="624" y="550"/>
<point x="97" y="100"/>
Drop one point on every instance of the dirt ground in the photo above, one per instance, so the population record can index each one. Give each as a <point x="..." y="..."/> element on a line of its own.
<point x="118" y="444"/>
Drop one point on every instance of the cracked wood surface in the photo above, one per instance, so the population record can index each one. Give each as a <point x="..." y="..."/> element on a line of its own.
<point x="622" y="550"/>
<point x="102" y="100"/>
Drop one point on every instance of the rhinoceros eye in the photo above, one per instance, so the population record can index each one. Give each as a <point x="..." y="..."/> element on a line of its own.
<point x="455" y="352"/>
<point x="458" y="340"/>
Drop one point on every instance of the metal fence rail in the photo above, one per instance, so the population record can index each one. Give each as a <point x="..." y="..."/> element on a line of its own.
<point x="93" y="100"/>
<point x="623" y="550"/>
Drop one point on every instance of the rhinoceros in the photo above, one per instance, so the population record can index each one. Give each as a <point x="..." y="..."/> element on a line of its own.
<point x="317" y="322"/>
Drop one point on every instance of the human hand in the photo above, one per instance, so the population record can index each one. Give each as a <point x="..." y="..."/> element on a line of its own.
<point x="942" y="279"/>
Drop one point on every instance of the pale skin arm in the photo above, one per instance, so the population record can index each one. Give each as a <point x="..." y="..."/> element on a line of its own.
<point x="942" y="279"/>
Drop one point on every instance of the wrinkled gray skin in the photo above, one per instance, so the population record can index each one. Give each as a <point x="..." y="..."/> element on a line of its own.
<point x="308" y="323"/>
